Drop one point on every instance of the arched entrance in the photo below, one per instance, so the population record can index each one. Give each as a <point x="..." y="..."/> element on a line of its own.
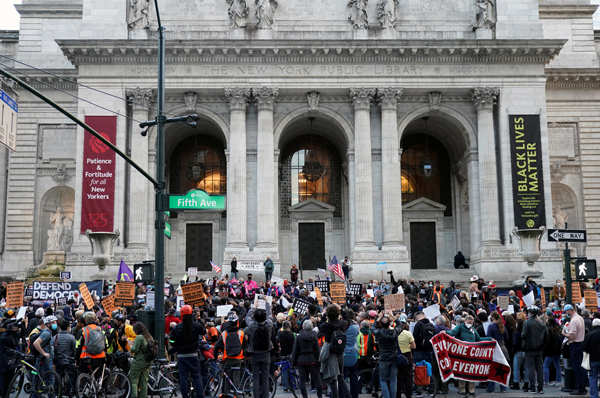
<point x="434" y="190"/>
<point x="196" y="161"/>
<point x="313" y="192"/>
<point x="55" y="226"/>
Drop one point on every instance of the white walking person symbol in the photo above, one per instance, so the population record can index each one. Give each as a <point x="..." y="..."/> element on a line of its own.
<point x="138" y="274"/>
<point x="582" y="269"/>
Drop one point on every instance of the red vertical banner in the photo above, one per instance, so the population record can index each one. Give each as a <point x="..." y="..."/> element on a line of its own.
<point x="98" y="183"/>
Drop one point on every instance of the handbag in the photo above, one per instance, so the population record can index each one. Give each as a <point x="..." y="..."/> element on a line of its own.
<point x="585" y="363"/>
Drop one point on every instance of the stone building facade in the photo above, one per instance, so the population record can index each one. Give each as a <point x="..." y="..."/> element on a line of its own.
<point x="374" y="129"/>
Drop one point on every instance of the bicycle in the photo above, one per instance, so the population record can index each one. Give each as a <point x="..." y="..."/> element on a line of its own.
<point x="162" y="379"/>
<point x="102" y="382"/>
<point x="285" y="367"/>
<point x="244" y="387"/>
<point x="28" y="379"/>
<point x="67" y="375"/>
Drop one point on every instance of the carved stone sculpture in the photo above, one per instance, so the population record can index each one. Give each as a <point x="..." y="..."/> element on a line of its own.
<point x="60" y="233"/>
<point x="386" y="13"/>
<point x="138" y="14"/>
<point x="238" y="13"/>
<point x="486" y="14"/>
<point x="265" y="13"/>
<point x="358" y="14"/>
<point x="190" y="98"/>
<point x="560" y="217"/>
<point x="313" y="98"/>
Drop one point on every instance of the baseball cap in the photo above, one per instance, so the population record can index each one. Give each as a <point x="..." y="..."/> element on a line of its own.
<point x="49" y="319"/>
<point x="40" y="312"/>
<point x="568" y="307"/>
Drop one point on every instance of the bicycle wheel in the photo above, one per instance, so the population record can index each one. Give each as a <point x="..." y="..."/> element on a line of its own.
<point x="247" y="387"/>
<point x="85" y="387"/>
<point x="50" y="387"/>
<point x="273" y="387"/>
<point x="116" y="385"/>
<point x="16" y="385"/>
<point x="213" y="385"/>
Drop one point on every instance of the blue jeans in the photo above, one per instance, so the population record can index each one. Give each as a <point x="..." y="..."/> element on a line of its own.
<point x="491" y="387"/>
<point x="595" y="367"/>
<point x="189" y="368"/>
<point x="575" y="358"/>
<point x="44" y="366"/>
<point x="555" y="360"/>
<point x="518" y="363"/>
<point x="388" y="387"/>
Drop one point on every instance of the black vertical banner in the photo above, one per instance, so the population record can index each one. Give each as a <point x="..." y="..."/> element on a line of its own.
<point x="527" y="173"/>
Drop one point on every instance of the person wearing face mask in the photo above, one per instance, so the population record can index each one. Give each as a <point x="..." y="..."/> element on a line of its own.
<point x="64" y="355"/>
<point x="43" y="348"/>
<point x="386" y="339"/>
<point x="466" y="332"/>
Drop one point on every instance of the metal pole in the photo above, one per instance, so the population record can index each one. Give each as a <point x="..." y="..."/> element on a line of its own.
<point x="159" y="274"/>
<point x="568" y="281"/>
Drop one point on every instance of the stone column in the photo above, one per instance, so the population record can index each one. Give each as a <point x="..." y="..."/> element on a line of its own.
<point x="139" y="187"/>
<point x="484" y="99"/>
<point x="265" y="176"/>
<point x="390" y="167"/>
<point x="474" y="216"/>
<point x="237" y="207"/>
<point x="363" y="190"/>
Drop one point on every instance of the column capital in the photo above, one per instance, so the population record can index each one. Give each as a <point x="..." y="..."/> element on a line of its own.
<point x="265" y="96"/>
<point x="139" y="98"/>
<point x="484" y="97"/>
<point x="237" y="98"/>
<point x="388" y="97"/>
<point x="361" y="97"/>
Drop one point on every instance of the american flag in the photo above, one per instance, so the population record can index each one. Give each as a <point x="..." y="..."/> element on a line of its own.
<point x="215" y="267"/>
<point x="336" y="268"/>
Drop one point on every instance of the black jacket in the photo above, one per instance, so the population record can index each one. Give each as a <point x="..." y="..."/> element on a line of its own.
<point x="553" y="344"/>
<point x="387" y="343"/>
<point x="533" y="335"/>
<point x="591" y="344"/>
<point x="306" y="349"/>
<point x="186" y="343"/>
<point x="423" y="332"/>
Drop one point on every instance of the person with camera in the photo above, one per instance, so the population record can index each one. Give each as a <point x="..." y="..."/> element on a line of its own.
<point x="386" y="338"/>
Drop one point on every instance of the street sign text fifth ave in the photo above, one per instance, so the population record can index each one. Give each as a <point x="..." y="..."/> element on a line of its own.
<point x="566" y="235"/>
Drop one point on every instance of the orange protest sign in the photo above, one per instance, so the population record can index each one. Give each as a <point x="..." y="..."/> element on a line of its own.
<point x="193" y="293"/>
<point x="576" y="293"/>
<point x="108" y="303"/>
<point x="319" y="296"/>
<point x="86" y="296"/>
<point x="591" y="299"/>
<point x="337" y="291"/>
<point x="124" y="293"/>
<point x="14" y="294"/>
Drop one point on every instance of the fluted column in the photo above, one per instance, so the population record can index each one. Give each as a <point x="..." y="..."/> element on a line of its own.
<point x="484" y="99"/>
<point x="265" y="175"/>
<point x="390" y="167"/>
<point x="138" y="186"/>
<point x="363" y="190"/>
<point x="237" y="208"/>
<point x="474" y="215"/>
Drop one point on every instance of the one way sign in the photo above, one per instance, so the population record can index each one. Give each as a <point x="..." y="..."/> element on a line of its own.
<point x="566" y="235"/>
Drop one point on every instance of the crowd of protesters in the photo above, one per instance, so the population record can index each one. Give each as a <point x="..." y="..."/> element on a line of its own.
<point x="329" y="344"/>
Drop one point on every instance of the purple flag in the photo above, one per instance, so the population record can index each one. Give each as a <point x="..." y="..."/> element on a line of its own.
<point x="125" y="273"/>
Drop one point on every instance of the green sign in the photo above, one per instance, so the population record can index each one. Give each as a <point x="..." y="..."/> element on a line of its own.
<point x="168" y="230"/>
<point x="196" y="200"/>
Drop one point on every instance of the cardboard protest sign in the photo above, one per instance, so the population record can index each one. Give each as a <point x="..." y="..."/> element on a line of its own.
<point x="300" y="306"/>
<point x="260" y="302"/>
<point x="337" y="291"/>
<point x="108" y="303"/>
<point x="319" y="296"/>
<point x="310" y="286"/>
<point x="543" y="298"/>
<point x="86" y="296"/>
<point x="591" y="299"/>
<point x="576" y="293"/>
<point x="14" y="294"/>
<point x="472" y="362"/>
<point x="21" y="313"/>
<point x="284" y="302"/>
<point x="455" y="303"/>
<point x="150" y="299"/>
<point x="354" y="289"/>
<point x="223" y="310"/>
<point x="529" y="299"/>
<point x="323" y="286"/>
<point x="431" y="312"/>
<point x="394" y="302"/>
<point x="193" y="293"/>
<point x="503" y="302"/>
<point x="124" y="293"/>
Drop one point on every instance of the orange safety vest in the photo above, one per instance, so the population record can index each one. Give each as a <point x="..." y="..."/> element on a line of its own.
<point x="321" y="341"/>
<point x="364" y="347"/>
<point x="86" y="334"/>
<point x="241" y="354"/>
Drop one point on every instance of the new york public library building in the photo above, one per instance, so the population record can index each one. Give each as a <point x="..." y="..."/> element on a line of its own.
<point x="396" y="131"/>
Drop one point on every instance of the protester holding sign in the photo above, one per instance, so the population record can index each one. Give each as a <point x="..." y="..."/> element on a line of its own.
<point x="466" y="332"/>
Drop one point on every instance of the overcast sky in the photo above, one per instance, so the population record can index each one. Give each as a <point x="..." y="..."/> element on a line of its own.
<point x="9" y="18"/>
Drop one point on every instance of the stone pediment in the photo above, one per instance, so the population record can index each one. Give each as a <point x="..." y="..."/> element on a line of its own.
<point x="424" y="204"/>
<point x="312" y="206"/>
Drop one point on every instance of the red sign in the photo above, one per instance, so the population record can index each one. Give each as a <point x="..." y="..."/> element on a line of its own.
<point x="98" y="183"/>
<point x="474" y="362"/>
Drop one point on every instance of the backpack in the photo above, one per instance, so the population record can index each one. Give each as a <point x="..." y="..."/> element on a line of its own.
<point x="151" y="351"/>
<point x="261" y="339"/>
<point x="425" y="333"/>
<point x="233" y="345"/>
<point x="35" y="333"/>
<point x="338" y="342"/>
<point x="94" y="341"/>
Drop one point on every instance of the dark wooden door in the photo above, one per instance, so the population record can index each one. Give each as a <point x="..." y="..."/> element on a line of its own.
<point x="423" y="250"/>
<point x="198" y="246"/>
<point x="311" y="244"/>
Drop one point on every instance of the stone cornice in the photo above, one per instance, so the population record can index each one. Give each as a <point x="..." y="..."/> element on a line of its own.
<point x="65" y="10"/>
<point x="566" y="11"/>
<point x="310" y="52"/>
<point x="65" y="79"/>
<point x="573" y="78"/>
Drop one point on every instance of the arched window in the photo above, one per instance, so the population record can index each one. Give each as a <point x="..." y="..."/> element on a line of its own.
<point x="198" y="163"/>
<point x="312" y="167"/>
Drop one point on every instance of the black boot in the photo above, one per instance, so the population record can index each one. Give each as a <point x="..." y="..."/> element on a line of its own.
<point x="525" y="387"/>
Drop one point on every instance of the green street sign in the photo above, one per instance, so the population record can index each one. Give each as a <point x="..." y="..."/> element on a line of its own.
<point x="196" y="200"/>
<point x="168" y="230"/>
